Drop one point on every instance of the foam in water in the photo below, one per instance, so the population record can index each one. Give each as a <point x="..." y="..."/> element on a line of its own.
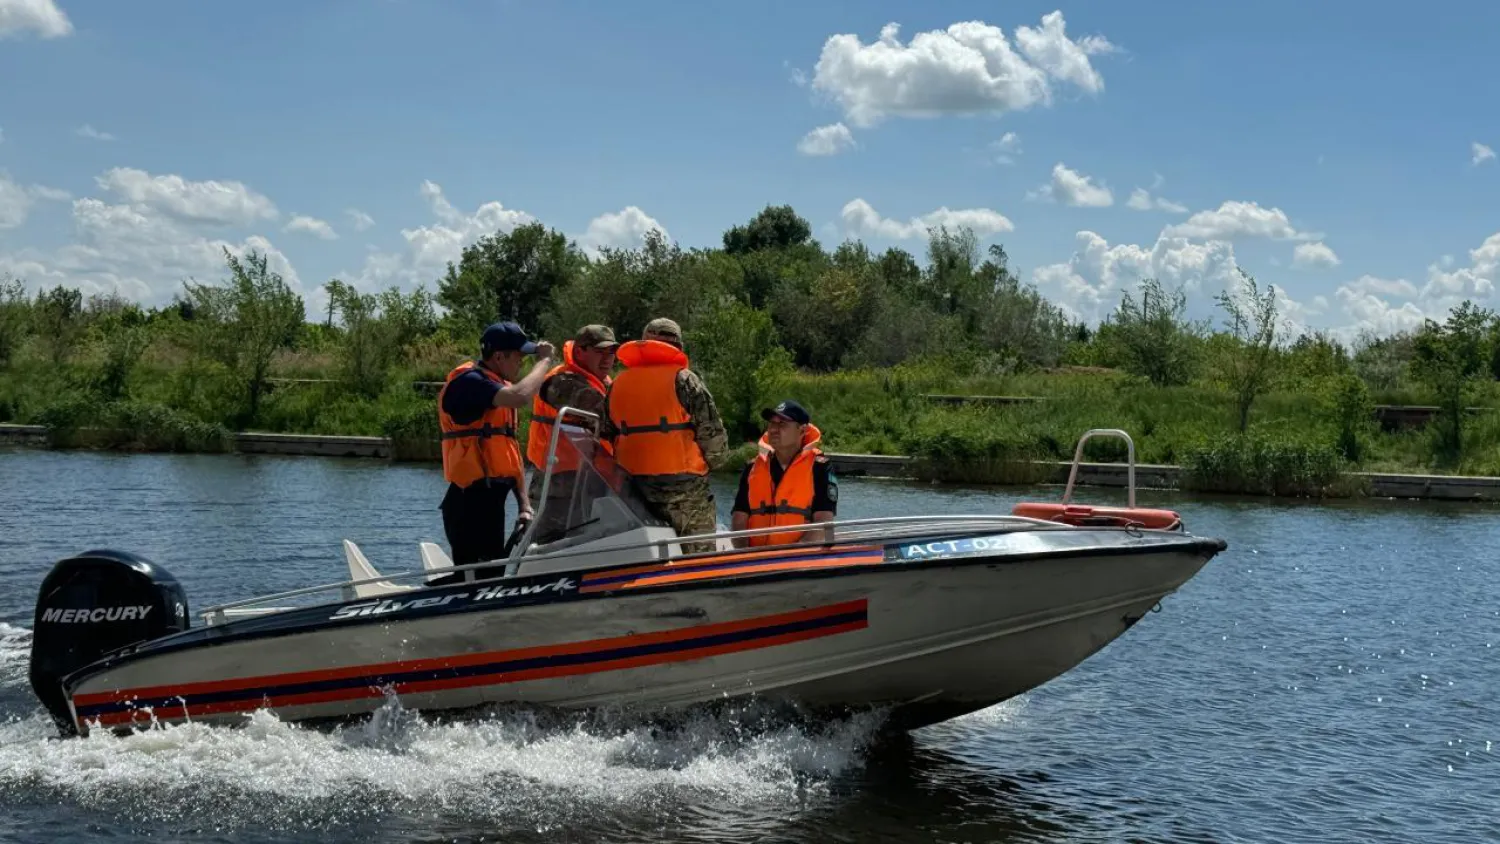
<point x="15" y="651"/>
<point x="511" y="768"/>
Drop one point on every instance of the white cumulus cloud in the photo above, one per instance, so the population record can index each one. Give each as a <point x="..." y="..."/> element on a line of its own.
<point x="430" y="247"/>
<point x="1385" y="306"/>
<point x="1398" y="288"/>
<point x="1369" y="313"/>
<point x="1311" y="255"/>
<point x="1476" y="281"/>
<point x="1073" y="188"/>
<point x="136" y="251"/>
<point x="434" y="246"/>
<point x="1234" y="219"/>
<point x="359" y="219"/>
<point x="311" y="225"/>
<point x="15" y="203"/>
<point x="39" y="17"/>
<point x="968" y="68"/>
<point x="87" y="131"/>
<point x="16" y="200"/>
<point x="623" y="229"/>
<point x="1090" y="283"/>
<point x="227" y="203"/>
<point x="1007" y="148"/>
<point x="1142" y="200"/>
<point x="826" y="140"/>
<point x="860" y="218"/>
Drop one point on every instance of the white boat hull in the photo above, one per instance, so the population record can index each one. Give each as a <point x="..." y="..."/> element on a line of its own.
<point x="929" y="639"/>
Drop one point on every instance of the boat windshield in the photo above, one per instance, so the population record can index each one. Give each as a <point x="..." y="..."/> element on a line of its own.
<point x="588" y="497"/>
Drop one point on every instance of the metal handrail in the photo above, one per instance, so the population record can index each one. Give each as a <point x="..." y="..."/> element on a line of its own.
<point x="1078" y="457"/>
<point x="1018" y="522"/>
<point x="524" y="543"/>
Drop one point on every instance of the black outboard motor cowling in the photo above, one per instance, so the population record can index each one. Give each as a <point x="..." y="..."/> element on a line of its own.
<point x="91" y="605"/>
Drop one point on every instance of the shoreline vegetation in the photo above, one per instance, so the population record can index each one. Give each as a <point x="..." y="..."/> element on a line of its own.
<point x="956" y="363"/>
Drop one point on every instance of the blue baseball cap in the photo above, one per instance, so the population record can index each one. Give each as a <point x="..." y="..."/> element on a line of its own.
<point x="788" y="409"/>
<point x="505" y="337"/>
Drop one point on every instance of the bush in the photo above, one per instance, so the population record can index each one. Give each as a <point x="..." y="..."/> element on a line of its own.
<point x="80" y="420"/>
<point x="1351" y="410"/>
<point x="413" y="431"/>
<point x="1257" y="464"/>
<point x="970" y="446"/>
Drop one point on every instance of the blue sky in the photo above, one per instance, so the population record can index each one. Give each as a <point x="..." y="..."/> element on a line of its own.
<point x="1341" y="151"/>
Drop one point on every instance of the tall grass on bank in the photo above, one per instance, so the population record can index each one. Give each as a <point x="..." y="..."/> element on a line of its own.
<point x="1256" y="464"/>
<point x="76" y="422"/>
<point x="1300" y="443"/>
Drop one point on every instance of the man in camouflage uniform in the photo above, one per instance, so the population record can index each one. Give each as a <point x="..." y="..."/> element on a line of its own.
<point x="685" y="502"/>
<point x="593" y="351"/>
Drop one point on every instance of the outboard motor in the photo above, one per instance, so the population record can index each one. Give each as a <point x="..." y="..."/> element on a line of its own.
<point x="93" y="604"/>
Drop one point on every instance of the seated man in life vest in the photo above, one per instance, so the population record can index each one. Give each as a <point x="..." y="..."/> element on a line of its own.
<point x="789" y="483"/>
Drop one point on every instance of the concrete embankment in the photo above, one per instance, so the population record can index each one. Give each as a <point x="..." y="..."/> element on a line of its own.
<point x="1147" y="476"/>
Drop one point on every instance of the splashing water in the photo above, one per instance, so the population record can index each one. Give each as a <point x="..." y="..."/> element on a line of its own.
<point x="15" y="650"/>
<point x="516" y="770"/>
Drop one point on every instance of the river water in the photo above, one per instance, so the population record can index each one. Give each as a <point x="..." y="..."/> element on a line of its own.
<point x="1334" y="676"/>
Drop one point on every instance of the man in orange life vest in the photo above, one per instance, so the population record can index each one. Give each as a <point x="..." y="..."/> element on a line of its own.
<point x="481" y="454"/>
<point x="666" y="431"/>
<point x="580" y="381"/>
<point x="789" y="483"/>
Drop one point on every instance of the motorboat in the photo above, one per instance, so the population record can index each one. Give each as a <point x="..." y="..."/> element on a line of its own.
<point x="599" y="603"/>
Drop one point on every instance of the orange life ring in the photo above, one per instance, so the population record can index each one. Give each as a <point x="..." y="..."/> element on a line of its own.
<point x="1082" y="515"/>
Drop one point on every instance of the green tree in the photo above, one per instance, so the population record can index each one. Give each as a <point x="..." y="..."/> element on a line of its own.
<point x="1451" y="359"/>
<point x="1383" y="361"/>
<point x="1313" y="358"/>
<point x="735" y="347"/>
<point x="822" y="319"/>
<point x="775" y="227"/>
<point x="1015" y="321"/>
<point x="626" y="288"/>
<point x="58" y="319"/>
<point x="511" y="275"/>
<point x="377" y="331"/>
<point x="951" y="284"/>
<point x="244" y="323"/>
<point x="15" y="317"/>
<point x="1351" y="410"/>
<point x="1155" y="338"/>
<point x="1247" y="365"/>
<point x="124" y="333"/>
<point x="900" y="274"/>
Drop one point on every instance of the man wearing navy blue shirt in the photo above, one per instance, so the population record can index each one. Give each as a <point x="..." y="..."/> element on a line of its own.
<point x="482" y="462"/>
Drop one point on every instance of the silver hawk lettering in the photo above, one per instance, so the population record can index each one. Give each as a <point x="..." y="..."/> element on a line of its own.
<point x="499" y="592"/>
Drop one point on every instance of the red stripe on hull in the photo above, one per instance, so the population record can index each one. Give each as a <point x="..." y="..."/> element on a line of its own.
<point x="179" y="711"/>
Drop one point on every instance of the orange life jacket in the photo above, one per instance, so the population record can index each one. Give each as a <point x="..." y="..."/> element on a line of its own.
<point x="789" y="502"/>
<point x="544" y="417"/>
<point x="655" y="431"/>
<point x="483" y="449"/>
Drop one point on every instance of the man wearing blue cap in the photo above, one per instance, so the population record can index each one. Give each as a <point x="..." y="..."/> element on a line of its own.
<point x="789" y="484"/>
<point x="481" y="455"/>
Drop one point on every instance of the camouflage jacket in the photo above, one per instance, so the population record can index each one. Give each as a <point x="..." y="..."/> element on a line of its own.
<point x="569" y="389"/>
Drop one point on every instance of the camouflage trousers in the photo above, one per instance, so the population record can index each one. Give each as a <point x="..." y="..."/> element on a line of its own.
<point x="685" y="503"/>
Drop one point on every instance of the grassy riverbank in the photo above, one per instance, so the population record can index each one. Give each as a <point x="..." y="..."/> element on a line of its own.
<point x="1292" y="447"/>
<point x="863" y="339"/>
